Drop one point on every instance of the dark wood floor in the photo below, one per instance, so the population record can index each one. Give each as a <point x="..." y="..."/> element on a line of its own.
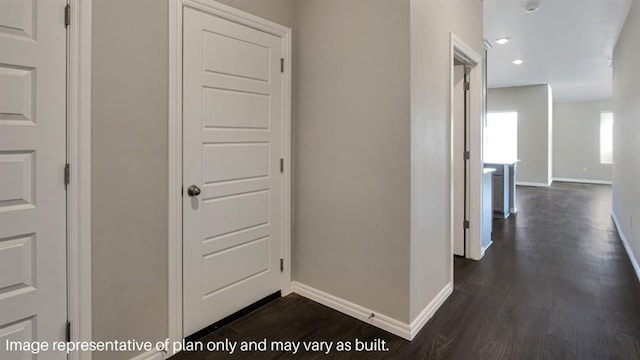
<point x="556" y="284"/>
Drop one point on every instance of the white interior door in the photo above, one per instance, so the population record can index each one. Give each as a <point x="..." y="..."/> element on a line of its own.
<point x="459" y="163"/>
<point x="467" y="163"/>
<point x="232" y="145"/>
<point x="32" y="158"/>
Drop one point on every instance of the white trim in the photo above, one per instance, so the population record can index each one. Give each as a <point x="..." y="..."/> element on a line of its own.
<point x="386" y="323"/>
<point x="175" y="145"/>
<point x="151" y="355"/>
<point x="460" y="50"/>
<point x="627" y="246"/>
<point x="230" y="13"/>
<point x="288" y="168"/>
<point x="484" y="249"/>
<point x="361" y="313"/>
<point x="79" y="190"/>
<point x="425" y="315"/>
<point x="583" y="181"/>
<point x="175" y="173"/>
<point x="534" y="184"/>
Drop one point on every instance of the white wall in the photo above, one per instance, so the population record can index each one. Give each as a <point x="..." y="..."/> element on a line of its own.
<point x="576" y="141"/>
<point x="431" y="23"/>
<point x="626" y="131"/>
<point x="352" y="136"/>
<point x="129" y="167"/>
<point x="535" y="122"/>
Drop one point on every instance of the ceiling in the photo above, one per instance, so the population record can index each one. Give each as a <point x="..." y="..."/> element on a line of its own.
<point x="565" y="43"/>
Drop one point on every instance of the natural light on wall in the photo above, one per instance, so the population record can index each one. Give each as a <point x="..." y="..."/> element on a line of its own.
<point x="606" y="138"/>
<point x="501" y="137"/>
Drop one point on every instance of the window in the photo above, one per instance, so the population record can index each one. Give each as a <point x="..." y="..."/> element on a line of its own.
<point x="501" y="137"/>
<point x="606" y="138"/>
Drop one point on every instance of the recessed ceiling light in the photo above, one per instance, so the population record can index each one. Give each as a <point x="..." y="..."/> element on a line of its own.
<point x="502" y="41"/>
<point x="517" y="62"/>
<point x="532" y="6"/>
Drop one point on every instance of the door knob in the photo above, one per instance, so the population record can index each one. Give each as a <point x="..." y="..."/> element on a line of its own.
<point x="193" y="190"/>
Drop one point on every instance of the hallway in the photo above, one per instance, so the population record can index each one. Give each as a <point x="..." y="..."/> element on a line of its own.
<point x="555" y="284"/>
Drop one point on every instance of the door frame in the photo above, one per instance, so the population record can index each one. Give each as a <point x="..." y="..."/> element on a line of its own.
<point x="78" y="149"/>
<point x="461" y="51"/>
<point x="175" y="146"/>
<point x="79" y="158"/>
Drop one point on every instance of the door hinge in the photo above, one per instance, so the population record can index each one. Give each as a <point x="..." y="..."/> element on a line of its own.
<point x="467" y="86"/>
<point x="466" y="224"/>
<point x="467" y="155"/>
<point x="281" y="265"/>
<point x="67" y="174"/>
<point x="67" y="331"/>
<point x="282" y="65"/>
<point x="67" y="16"/>
<point x="281" y="165"/>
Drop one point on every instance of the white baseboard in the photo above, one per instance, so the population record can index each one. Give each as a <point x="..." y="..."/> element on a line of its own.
<point x="425" y="315"/>
<point x="151" y="355"/>
<point x="361" y="313"/>
<point x="381" y="321"/>
<point x="484" y="249"/>
<point x="583" y="181"/>
<point x="627" y="246"/>
<point x="526" y="183"/>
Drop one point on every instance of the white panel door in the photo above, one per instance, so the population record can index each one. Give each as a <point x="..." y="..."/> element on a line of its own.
<point x="459" y="165"/>
<point x="32" y="157"/>
<point x="232" y="145"/>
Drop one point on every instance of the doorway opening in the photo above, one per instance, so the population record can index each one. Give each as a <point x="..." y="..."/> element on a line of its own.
<point x="461" y="87"/>
<point x="466" y="115"/>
